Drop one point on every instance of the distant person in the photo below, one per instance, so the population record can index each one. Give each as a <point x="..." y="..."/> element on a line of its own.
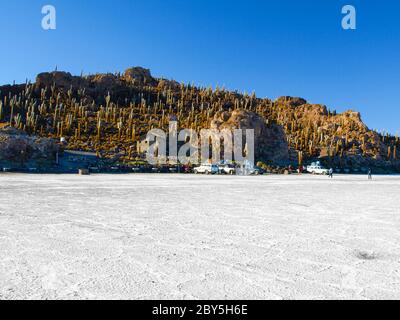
<point x="369" y="174"/>
<point x="331" y="173"/>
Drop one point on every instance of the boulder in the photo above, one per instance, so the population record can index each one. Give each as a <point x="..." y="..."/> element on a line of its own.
<point x="139" y="75"/>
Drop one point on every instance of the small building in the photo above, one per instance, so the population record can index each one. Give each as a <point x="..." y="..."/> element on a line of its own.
<point x="73" y="161"/>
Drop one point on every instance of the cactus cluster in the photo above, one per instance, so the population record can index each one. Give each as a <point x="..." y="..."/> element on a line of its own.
<point x="113" y="117"/>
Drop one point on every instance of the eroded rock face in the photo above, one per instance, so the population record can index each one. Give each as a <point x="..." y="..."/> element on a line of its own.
<point x="270" y="141"/>
<point x="168" y="84"/>
<point x="18" y="147"/>
<point x="104" y="82"/>
<point x="291" y="101"/>
<point x="98" y="85"/>
<point x="60" y="79"/>
<point x="139" y="75"/>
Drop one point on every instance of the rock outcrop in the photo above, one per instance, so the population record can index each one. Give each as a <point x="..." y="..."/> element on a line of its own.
<point x="270" y="141"/>
<point x="59" y="79"/>
<point x="139" y="75"/>
<point x="20" y="149"/>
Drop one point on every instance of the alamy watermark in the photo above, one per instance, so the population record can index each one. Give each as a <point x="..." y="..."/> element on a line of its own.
<point x="49" y="21"/>
<point x="208" y="146"/>
<point x="349" y="21"/>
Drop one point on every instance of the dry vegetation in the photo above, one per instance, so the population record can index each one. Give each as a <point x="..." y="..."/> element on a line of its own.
<point x="110" y="114"/>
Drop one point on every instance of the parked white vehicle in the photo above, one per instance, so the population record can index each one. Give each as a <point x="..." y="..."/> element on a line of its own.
<point x="206" y="169"/>
<point x="227" y="169"/>
<point x="316" y="168"/>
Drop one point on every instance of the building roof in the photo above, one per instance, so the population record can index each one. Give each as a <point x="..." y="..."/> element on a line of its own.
<point x="80" y="153"/>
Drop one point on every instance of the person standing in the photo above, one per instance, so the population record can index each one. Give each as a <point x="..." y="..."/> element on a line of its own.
<point x="369" y="174"/>
<point x="331" y="173"/>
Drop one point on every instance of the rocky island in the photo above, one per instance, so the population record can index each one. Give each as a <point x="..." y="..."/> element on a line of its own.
<point x="109" y="114"/>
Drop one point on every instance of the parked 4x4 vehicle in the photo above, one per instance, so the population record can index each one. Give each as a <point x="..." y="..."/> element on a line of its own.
<point x="227" y="169"/>
<point x="206" y="169"/>
<point x="317" y="168"/>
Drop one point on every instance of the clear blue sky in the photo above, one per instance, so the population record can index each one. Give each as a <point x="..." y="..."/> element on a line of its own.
<point x="285" y="47"/>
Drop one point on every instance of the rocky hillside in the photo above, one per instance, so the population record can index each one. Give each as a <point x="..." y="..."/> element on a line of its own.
<point x="110" y="113"/>
<point x="18" y="149"/>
